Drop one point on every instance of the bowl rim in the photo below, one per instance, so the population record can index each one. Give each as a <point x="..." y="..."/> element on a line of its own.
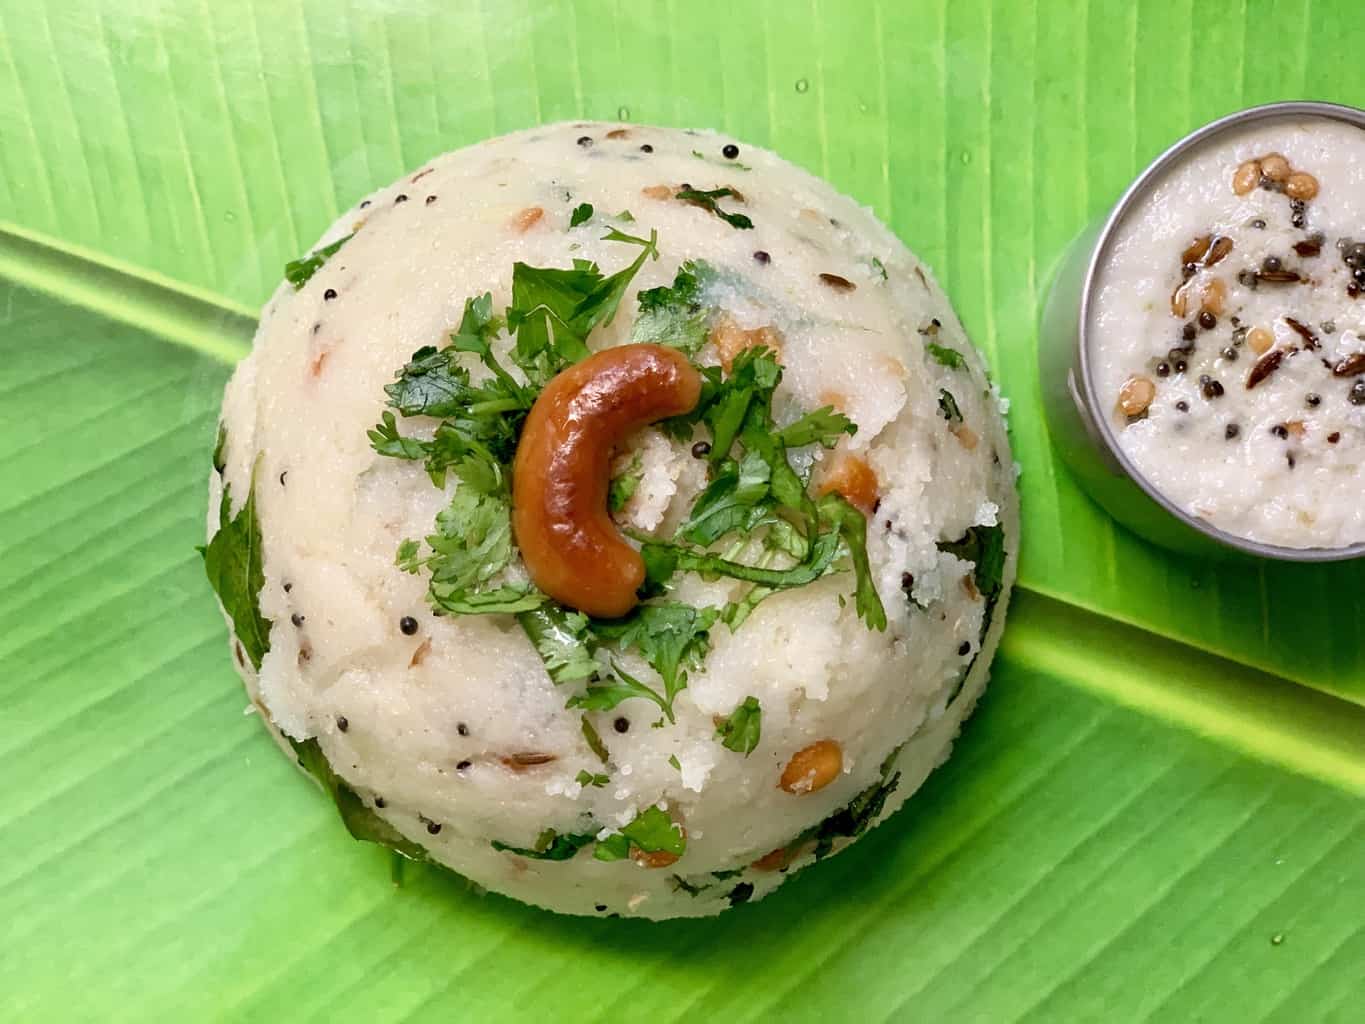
<point x="1131" y="196"/>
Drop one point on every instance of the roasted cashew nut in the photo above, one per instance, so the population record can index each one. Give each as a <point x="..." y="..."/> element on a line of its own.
<point x="562" y="471"/>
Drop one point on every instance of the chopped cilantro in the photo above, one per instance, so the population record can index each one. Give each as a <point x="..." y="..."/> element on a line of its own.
<point x="652" y="831"/>
<point x="852" y="528"/>
<point x="984" y="547"/>
<point x="948" y="357"/>
<point x="623" y="487"/>
<point x="560" y="637"/>
<point x="297" y="272"/>
<point x="234" y="563"/>
<point x="947" y="405"/>
<point x="880" y="268"/>
<point x="582" y="213"/>
<point x="675" y="315"/>
<point x="823" y="427"/>
<point x="361" y="821"/>
<point x="550" y="845"/>
<point x="673" y="760"/>
<point x="722" y="876"/>
<point x="625" y="217"/>
<point x="586" y="778"/>
<point x="707" y="201"/>
<point x="219" y="461"/>
<point x="681" y="884"/>
<point x="672" y="637"/>
<point x="472" y="546"/>
<point x="741" y="731"/>
<point x="554" y="310"/>
<point x="594" y="741"/>
<point x="619" y="686"/>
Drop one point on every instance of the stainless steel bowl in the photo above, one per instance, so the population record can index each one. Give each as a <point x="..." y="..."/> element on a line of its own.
<point x="1080" y="430"/>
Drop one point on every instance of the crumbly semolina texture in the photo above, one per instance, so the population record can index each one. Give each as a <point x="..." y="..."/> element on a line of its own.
<point x="449" y="740"/>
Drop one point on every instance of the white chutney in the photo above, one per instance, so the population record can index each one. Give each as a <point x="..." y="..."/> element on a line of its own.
<point x="1227" y="333"/>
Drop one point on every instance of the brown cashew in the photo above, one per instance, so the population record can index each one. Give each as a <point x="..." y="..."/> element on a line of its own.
<point x="561" y="475"/>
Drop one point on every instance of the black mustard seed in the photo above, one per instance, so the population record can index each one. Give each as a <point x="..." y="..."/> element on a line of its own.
<point x="329" y="294"/>
<point x="1231" y="431"/>
<point x="342" y="724"/>
<point x="1207" y="320"/>
<point x="622" y="724"/>
<point x="408" y="625"/>
<point x="760" y="256"/>
<point x="964" y="649"/>
<point x="701" y="449"/>
<point x="646" y="148"/>
<point x="730" y="151"/>
<point x="296" y="619"/>
<point x="462" y="729"/>
<point x="585" y="141"/>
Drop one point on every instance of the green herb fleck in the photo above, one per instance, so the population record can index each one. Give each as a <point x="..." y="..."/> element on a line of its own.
<point x="948" y="357"/>
<point x="673" y="760"/>
<point x="652" y="831"/>
<point x="219" y="447"/>
<point x="594" y="741"/>
<point x="741" y="731"/>
<point x="947" y="405"/>
<point x="582" y="213"/>
<point x="707" y="201"/>
<point x="561" y="639"/>
<point x="824" y="426"/>
<point x="554" y="310"/>
<point x="675" y="315"/>
<point x="550" y="845"/>
<point x="879" y="267"/>
<point x="297" y="272"/>
<point x="234" y="564"/>
<point x="586" y="778"/>
<point x="624" y="486"/>
<point x="361" y="821"/>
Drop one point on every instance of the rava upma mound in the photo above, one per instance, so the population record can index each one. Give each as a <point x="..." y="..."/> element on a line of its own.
<point x="617" y="516"/>
<point x="1227" y="333"/>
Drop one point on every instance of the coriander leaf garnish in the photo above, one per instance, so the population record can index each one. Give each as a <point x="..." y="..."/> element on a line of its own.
<point x="624" y="486"/>
<point x="361" y="821"/>
<point x="594" y="741"/>
<point x="741" y="731"/>
<point x="219" y="447"/>
<point x="234" y="563"/>
<point x="823" y="427"/>
<point x="880" y="268"/>
<point x="652" y="831"/>
<point x="618" y="686"/>
<point x="586" y="778"/>
<point x="948" y="357"/>
<point x="707" y="201"/>
<point x="984" y="546"/>
<point x="582" y="213"/>
<point x="554" y="310"/>
<point x="674" y="315"/>
<point x="297" y="272"/>
<point x="852" y="527"/>
<point x="472" y="546"/>
<point x="561" y="639"/>
<point x="947" y="405"/>
<point x="672" y="637"/>
<point x="550" y="845"/>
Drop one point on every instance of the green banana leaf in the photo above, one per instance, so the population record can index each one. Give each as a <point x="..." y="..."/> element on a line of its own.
<point x="1158" y="812"/>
